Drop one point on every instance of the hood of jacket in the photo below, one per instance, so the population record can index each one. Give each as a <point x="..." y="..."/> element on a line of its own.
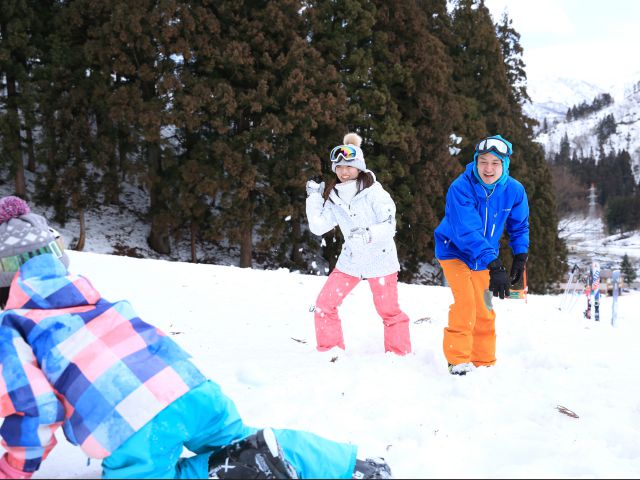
<point x="44" y="283"/>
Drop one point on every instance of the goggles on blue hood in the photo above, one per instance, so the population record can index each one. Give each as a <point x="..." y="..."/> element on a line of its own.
<point x="501" y="148"/>
<point x="494" y="144"/>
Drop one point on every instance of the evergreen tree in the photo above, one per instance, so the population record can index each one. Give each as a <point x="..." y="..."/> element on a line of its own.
<point x="564" y="153"/>
<point x="197" y="175"/>
<point x="480" y="74"/>
<point x="619" y="214"/>
<point x="307" y="102"/>
<point x="411" y="128"/>
<point x="495" y="87"/>
<point x="141" y="44"/>
<point x="275" y="101"/>
<point x="605" y="128"/>
<point x="397" y="76"/>
<point x="21" y="29"/>
<point x="512" y="53"/>
<point x="547" y="252"/>
<point x="68" y="181"/>
<point x="628" y="270"/>
<point x="342" y="33"/>
<point x="615" y="176"/>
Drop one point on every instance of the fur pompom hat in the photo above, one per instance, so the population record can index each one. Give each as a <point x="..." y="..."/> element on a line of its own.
<point x="349" y="153"/>
<point x="24" y="235"/>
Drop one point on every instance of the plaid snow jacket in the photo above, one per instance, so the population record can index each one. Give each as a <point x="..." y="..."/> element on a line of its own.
<point x="69" y="357"/>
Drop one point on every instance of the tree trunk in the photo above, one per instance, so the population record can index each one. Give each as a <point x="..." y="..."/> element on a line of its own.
<point x="158" y="236"/>
<point x="246" y="231"/>
<point x="106" y="137"/>
<point x="194" y="232"/>
<point x="83" y="231"/>
<point x="12" y="140"/>
<point x="246" y="246"/>
<point x="31" y="155"/>
<point x="122" y="154"/>
<point x="296" y="236"/>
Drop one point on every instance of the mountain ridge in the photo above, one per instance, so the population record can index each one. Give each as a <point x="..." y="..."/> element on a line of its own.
<point x="553" y="97"/>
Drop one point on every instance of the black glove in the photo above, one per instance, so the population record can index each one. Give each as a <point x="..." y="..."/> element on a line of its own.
<point x="498" y="279"/>
<point x="517" y="268"/>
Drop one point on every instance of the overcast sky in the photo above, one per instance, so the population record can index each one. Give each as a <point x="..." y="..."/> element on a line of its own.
<point x="593" y="40"/>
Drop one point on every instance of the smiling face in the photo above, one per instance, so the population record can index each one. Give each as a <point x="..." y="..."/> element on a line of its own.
<point x="489" y="168"/>
<point x="346" y="173"/>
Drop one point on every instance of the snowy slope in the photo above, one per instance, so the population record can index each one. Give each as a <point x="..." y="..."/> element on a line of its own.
<point x="252" y="332"/>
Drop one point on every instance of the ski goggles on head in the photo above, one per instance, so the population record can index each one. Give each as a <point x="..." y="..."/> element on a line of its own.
<point x="493" y="145"/>
<point x="14" y="262"/>
<point x="344" y="152"/>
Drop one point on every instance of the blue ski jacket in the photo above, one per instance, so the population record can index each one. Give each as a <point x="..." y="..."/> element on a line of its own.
<point x="475" y="219"/>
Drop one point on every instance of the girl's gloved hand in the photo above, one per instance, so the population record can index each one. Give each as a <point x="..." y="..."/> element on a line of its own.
<point x="314" y="187"/>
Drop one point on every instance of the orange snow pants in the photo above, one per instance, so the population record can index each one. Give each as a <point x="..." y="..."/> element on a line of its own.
<point x="385" y="299"/>
<point x="471" y="333"/>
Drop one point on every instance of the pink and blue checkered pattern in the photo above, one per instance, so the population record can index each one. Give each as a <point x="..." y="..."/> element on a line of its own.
<point x="104" y="373"/>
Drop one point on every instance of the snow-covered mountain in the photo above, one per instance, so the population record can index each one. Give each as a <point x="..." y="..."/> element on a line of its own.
<point x="552" y="98"/>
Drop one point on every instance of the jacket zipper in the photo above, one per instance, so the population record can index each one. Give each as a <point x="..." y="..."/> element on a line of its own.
<point x="486" y="211"/>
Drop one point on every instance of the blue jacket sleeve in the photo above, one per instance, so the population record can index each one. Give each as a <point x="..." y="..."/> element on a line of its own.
<point x="518" y="224"/>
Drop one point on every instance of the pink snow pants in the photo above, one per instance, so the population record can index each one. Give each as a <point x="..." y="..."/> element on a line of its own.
<point x="385" y="299"/>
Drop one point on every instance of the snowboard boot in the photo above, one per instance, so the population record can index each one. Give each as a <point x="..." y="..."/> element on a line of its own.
<point x="461" y="368"/>
<point x="257" y="456"/>
<point x="371" y="468"/>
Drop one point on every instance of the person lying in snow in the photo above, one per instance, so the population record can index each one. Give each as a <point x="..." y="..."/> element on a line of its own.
<point x="120" y="388"/>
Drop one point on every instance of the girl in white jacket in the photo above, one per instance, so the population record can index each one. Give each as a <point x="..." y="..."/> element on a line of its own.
<point x="365" y="213"/>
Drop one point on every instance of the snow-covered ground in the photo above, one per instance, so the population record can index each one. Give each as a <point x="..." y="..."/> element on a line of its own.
<point x="252" y="332"/>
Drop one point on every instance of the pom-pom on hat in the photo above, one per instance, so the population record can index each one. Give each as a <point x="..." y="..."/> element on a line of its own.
<point x="12" y="207"/>
<point x="24" y="235"/>
<point x="349" y="153"/>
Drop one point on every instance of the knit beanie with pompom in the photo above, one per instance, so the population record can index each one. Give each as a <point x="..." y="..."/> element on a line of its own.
<point x="352" y="140"/>
<point x="24" y="235"/>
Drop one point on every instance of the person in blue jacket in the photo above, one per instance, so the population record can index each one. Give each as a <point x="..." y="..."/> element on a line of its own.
<point x="479" y="204"/>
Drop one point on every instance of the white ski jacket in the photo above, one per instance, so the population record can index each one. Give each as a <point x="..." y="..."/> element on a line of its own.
<point x="372" y="208"/>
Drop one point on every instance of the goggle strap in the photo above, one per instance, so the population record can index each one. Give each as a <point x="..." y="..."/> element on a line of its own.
<point x="14" y="262"/>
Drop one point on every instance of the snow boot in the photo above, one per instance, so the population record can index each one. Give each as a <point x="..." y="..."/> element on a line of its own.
<point x="257" y="456"/>
<point x="461" y="368"/>
<point x="371" y="468"/>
